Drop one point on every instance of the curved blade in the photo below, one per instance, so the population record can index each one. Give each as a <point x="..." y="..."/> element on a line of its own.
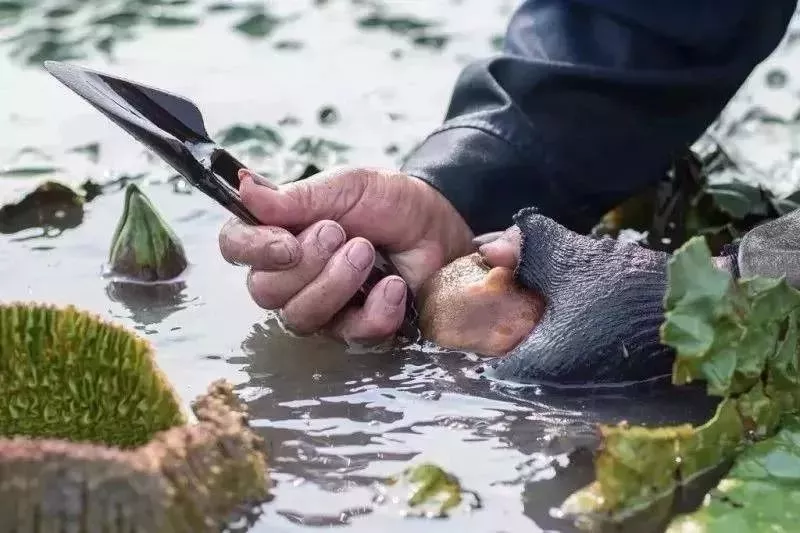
<point x="157" y="112"/>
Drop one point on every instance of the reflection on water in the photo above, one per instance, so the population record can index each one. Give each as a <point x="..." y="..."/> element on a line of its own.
<point x="148" y="304"/>
<point x="341" y="421"/>
<point x="336" y="421"/>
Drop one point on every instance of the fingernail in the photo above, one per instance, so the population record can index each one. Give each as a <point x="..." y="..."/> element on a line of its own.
<point x="486" y="238"/>
<point x="257" y="179"/>
<point x="280" y="253"/>
<point x="330" y="236"/>
<point x="394" y="291"/>
<point x="360" y="255"/>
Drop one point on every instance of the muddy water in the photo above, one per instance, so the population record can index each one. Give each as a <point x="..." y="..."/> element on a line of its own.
<point x="336" y="421"/>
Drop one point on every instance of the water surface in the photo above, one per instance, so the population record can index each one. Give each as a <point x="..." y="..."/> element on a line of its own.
<point x="336" y="421"/>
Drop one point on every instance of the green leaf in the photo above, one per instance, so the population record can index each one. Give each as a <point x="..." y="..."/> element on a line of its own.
<point x="258" y="135"/>
<point x="737" y="199"/>
<point x="427" y="490"/>
<point x="723" y="332"/>
<point x="741" y="338"/>
<point x="260" y="24"/>
<point x="638" y="469"/>
<point x="760" y="493"/>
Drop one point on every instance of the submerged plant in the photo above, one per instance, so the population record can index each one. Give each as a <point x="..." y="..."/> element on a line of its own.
<point x="427" y="490"/>
<point x="92" y="436"/>
<point x="144" y="247"/>
<point x="739" y="337"/>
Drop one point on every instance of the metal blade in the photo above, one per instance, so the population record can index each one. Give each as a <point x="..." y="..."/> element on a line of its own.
<point x="146" y="109"/>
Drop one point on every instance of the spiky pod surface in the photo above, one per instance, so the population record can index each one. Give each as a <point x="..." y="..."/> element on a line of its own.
<point x="92" y="437"/>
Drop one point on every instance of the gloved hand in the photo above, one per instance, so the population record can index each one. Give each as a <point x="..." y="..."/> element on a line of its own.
<point x="604" y="298"/>
<point x="603" y="308"/>
<point x="772" y="250"/>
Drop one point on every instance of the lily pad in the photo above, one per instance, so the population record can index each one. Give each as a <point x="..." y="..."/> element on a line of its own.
<point x="144" y="247"/>
<point x="93" y="437"/>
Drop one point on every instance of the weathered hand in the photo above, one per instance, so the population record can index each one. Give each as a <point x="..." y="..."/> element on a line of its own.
<point x="603" y="306"/>
<point x="315" y="248"/>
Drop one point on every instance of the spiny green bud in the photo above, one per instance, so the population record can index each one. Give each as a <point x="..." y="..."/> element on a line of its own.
<point x="144" y="247"/>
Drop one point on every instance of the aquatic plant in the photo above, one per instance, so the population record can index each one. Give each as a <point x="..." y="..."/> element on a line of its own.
<point x="144" y="247"/>
<point x="93" y="438"/>
<point x="426" y="490"/>
<point x="67" y="30"/>
<point x="740" y="338"/>
<point x="51" y="206"/>
<point x="685" y="204"/>
<point x="290" y="159"/>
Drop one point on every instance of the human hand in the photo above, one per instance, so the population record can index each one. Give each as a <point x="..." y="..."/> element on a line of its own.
<point x="315" y="248"/>
<point x="467" y="305"/>
<point x="603" y="306"/>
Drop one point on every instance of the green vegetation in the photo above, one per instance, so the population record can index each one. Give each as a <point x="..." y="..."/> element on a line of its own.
<point x="92" y="436"/>
<point x="741" y="339"/>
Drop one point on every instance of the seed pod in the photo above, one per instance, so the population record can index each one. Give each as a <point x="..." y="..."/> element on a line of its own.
<point x="144" y="247"/>
<point x="93" y="437"/>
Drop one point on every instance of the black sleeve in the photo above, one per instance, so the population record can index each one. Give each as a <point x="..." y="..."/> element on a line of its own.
<point x="589" y="101"/>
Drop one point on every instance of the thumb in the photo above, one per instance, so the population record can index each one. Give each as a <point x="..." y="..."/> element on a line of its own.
<point x="547" y="251"/>
<point x="325" y="196"/>
<point x="504" y="250"/>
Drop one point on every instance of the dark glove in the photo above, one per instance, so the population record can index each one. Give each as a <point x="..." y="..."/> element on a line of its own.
<point x="605" y="300"/>
<point x="772" y="250"/>
<point x="604" y="309"/>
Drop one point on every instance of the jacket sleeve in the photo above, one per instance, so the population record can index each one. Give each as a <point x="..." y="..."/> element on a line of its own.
<point x="589" y="101"/>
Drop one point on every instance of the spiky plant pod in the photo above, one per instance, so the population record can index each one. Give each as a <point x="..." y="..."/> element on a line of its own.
<point x="93" y="438"/>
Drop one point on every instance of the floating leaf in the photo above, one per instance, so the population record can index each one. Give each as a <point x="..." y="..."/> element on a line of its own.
<point x="173" y="20"/>
<point x="724" y="332"/>
<point x="51" y="206"/>
<point x="87" y="412"/>
<point x="436" y="42"/>
<point x="10" y="11"/>
<point x="308" y="156"/>
<point x="328" y="115"/>
<point x="260" y="24"/>
<point x="27" y="171"/>
<point x="289" y="45"/>
<point x="91" y="150"/>
<point x="427" y="490"/>
<point x="395" y="24"/>
<point x="144" y="247"/>
<point x="257" y="140"/>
